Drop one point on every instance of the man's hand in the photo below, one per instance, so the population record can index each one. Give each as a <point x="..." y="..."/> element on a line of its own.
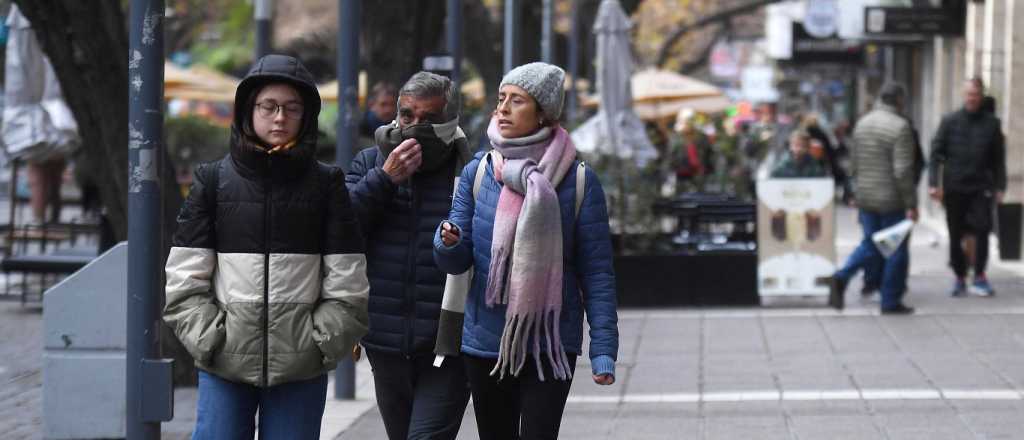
<point x="604" y="379"/>
<point x="449" y="233"/>
<point x="912" y="214"/>
<point x="403" y="161"/>
<point x="935" y="193"/>
<point x="357" y="353"/>
<point x="999" y="197"/>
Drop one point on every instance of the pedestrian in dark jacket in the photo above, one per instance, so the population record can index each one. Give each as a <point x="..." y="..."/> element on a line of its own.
<point x="266" y="279"/>
<point x="967" y="174"/>
<point x="830" y="158"/>
<point x="401" y="189"/>
<point x="538" y="263"/>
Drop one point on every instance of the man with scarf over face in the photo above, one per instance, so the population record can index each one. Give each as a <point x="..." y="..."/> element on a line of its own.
<point x="401" y="190"/>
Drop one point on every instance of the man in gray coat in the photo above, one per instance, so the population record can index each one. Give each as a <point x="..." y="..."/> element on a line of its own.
<point x="883" y="172"/>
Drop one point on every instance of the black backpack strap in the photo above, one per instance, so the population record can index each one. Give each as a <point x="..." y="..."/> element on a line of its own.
<point x="211" y="175"/>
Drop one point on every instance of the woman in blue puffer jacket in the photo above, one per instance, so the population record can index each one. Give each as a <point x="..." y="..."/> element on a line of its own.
<point x="539" y="261"/>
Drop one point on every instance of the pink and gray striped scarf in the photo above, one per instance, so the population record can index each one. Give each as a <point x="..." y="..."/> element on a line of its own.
<point x="526" y="252"/>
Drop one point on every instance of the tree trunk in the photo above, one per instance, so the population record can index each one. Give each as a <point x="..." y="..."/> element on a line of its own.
<point x="88" y="45"/>
<point x="396" y="35"/>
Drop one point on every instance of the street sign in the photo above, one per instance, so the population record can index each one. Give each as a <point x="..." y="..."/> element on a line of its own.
<point x="438" y="63"/>
<point x="921" y="21"/>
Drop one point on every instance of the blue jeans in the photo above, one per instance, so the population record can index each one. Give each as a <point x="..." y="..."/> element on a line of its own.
<point x="227" y="410"/>
<point x="895" y="268"/>
<point x="873" y="270"/>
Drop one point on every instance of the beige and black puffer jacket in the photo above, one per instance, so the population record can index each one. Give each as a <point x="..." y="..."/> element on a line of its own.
<point x="266" y="279"/>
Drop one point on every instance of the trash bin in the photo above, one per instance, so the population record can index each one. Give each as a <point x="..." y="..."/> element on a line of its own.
<point x="1009" y="230"/>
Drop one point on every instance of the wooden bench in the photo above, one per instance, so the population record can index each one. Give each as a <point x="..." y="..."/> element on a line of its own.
<point x="59" y="262"/>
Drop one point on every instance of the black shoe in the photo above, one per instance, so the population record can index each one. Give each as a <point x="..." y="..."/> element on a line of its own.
<point x="898" y="310"/>
<point x="837" y="293"/>
<point x="867" y="291"/>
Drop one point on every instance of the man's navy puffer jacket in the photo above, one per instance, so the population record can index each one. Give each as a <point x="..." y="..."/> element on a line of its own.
<point x="589" y="279"/>
<point x="398" y="222"/>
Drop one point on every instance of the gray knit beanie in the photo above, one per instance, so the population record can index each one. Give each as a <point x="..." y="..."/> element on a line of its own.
<point x="544" y="82"/>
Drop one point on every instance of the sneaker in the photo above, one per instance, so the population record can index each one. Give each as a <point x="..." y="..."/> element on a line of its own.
<point x="898" y="310"/>
<point x="959" y="288"/>
<point x="981" y="287"/>
<point x="837" y="292"/>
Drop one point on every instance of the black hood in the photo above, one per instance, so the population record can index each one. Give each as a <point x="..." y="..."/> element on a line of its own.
<point x="279" y="68"/>
<point x="275" y="69"/>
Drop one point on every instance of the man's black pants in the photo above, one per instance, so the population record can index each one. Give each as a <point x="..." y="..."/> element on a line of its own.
<point x="416" y="399"/>
<point x="968" y="213"/>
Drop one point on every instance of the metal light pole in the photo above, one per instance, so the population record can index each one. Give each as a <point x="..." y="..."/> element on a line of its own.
<point x="349" y="12"/>
<point x="574" y="49"/>
<point x="453" y="39"/>
<point x="547" y="41"/>
<point x="145" y="150"/>
<point x="264" y="11"/>
<point x="511" y="44"/>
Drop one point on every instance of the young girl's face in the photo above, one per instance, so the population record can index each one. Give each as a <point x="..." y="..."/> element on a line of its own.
<point x="277" y="115"/>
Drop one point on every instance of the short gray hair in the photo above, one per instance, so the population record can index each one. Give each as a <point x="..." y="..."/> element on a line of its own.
<point x="893" y="94"/>
<point x="429" y="85"/>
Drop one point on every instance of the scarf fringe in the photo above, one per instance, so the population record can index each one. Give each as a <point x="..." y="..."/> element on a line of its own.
<point x="498" y="277"/>
<point x="512" y="351"/>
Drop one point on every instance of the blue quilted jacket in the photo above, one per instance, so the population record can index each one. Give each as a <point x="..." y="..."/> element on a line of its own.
<point x="589" y="278"/>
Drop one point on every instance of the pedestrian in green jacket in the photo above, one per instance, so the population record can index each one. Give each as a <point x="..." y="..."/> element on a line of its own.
<point x="798" y="162"/>
<point x="266" y="277"/>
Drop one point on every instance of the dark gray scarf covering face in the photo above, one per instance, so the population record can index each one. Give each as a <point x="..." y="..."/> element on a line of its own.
<point x="437" y="141"/>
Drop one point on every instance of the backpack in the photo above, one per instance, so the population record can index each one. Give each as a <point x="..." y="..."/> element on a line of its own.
<point x="581" y="178"/>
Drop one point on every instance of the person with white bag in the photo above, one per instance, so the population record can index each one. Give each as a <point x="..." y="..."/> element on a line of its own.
<point x="883" y="173"/>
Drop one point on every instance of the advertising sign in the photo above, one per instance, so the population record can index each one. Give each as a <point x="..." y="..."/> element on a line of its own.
<point x="808" y="49"/>
<point x="725" y="62"/>
<point x="820" y="18"/>
<point x="916" y="20"/>
<point x="795" y="236"/>
<point x="758" y="84"/>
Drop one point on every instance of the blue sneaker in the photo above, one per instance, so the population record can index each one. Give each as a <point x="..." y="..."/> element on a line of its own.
<point x="959" y="288"/>
<point x="981" y="287"/>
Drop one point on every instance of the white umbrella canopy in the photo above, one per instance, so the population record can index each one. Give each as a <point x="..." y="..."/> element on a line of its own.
<point x="662" y="85"/>
<point x="652" y="111"/>
<point x="616" y="129"/>
<point x="660" y="94"/>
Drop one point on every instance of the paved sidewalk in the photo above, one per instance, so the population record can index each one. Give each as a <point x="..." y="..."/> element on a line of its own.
<point x="797" y="370"/>
<point x="793" y="369"/>
<point x="21" y="359"/>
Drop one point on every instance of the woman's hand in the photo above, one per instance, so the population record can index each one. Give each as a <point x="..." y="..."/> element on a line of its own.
<point x="449" y="233"/>
<point x="604" y="379"/>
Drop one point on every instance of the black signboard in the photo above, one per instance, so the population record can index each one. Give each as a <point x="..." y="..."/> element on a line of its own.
<point x="916" y="21"/>
<point x="807" y="49"/>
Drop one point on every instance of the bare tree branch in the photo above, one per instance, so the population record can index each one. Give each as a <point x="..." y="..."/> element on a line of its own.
<point x="723" y="15"/>
<point x="702" y="58"/>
